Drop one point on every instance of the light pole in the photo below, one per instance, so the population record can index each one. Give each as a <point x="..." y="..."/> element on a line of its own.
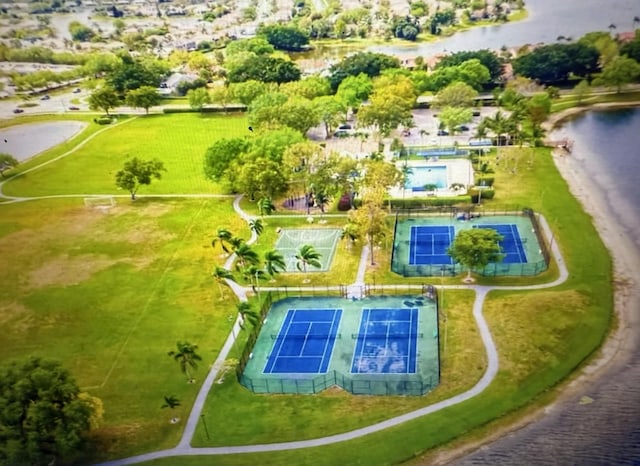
<point x="444" y="314"/>
<point x="257" y="284"/>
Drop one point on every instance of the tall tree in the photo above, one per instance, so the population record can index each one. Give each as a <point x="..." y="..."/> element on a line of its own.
<point x="247" y="91"/>
<point x="282" y="37"/>
<point x="353" y="90"/>
<point x="266" y="206"/>
<point x="330" y="111"/>
<point x="43" y="416"/>
<point x="223" y="236"/>
<point x="256" y="226"/>
<point x="475" y="248"/>
<point x="143" y="97"/>
<point x="246" y="256"/>
<point x="453" y="117"/>
<point x="306" y="257"/>
<point x="274" y="262"/>
<point x="386" y="111"/>
<point x="457" y="94"/>
<point x="371" y="64"/>
<point x="247" y="314"/>
<point x="198" y="98"/>
<point x="488" y="58"/>
<point x="185" y="354"/>
<point x="104" y="98"/>
<point x="138" y="172"/>
<point x="371" y="218"/>
<point x="619" y="72"/>
<point x="221" y="275"/>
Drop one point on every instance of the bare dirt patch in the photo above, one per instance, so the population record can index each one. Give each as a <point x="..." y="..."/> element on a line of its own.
<point x="65" y="270"/>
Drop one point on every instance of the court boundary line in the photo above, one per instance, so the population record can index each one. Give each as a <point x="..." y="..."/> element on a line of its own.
<point x="328" y="339"/>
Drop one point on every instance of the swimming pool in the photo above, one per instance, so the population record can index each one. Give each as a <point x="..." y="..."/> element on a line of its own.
<point x="420" y="177"/>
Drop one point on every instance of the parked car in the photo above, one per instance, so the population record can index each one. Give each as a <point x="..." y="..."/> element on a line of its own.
<point x="73" y="107"/>
<point x="45" y="97"/>
<point x="463" y="128"/>
<point x="442" y="132"/>
<point x="345" y="126"/>
<point x="77" y="90"/>
<point x="476" y="113"/>
<point x="18" y="110"/>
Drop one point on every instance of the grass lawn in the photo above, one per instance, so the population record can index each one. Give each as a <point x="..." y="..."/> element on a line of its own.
<point x="110" y="293"/>
<point x="180" y="141"/>
<point x="542" y="336"/>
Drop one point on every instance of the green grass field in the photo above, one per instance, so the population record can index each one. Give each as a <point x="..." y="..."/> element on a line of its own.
<point x="110" y="292"/>
<point x="179" y="141"/>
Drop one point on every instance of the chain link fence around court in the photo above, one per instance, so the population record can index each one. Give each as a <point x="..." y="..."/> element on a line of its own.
<point x="531" y="236"/>
<point x="425" y="379"/>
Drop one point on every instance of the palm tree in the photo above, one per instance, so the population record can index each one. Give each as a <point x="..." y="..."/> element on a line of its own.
<point x="350" y="232"/>
<point x="406" y="172"/>
<point x="256" y="226"/>
<point x="186" y="356"/>
<point x="247" y="314"/>
<point x="423" y="132"/>
<point x="252" y="274"/>
<point x="235" y="243"/>
<point x="307" y="256"/>
<point x="265" y="206"/>
<point x="274" y="263"/>
<point x="170" y="402"/>
<point x="221" y="276"/>
<point x="223" y="236"/>
<point x="246" y="256"/>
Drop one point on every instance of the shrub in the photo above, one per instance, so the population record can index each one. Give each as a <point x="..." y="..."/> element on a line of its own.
<point x="486" y="194"/>
<point x="344" y="203"/>
<point x="484" y="180"/>
<point x="415" y="203"/>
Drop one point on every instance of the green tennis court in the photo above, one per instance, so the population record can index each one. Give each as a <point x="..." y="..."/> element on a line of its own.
<point x="323" y="240"/>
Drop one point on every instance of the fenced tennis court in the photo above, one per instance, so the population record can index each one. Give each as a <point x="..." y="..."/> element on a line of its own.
<point x="387" y="341"/>
<point x="511" y="244"/>
<point x="323" y="240"/>
<point x="421" y="243"/>
<point x="381" y="345"/>
<point x="429" y="243"/>
<point x="305" y="341"/>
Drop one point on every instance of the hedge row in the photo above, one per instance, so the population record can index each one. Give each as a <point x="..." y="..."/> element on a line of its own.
<point x="414" y="203"/>
<point x="228" y="109"/>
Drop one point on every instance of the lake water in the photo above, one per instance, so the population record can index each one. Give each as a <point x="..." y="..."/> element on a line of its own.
<point x="604" y="429"/>
<point x="547" y="20"/>
<point x="607" y="145"/>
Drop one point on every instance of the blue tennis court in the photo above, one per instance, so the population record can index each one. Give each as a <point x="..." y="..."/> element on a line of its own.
<point x="386" y="342"/>
<point x="305" y="341"/>
<point x="428" y="244"/>
<point x="511" y="244"/>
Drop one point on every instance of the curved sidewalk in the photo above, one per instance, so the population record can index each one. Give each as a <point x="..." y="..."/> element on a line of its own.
<point x="184" y="449"/>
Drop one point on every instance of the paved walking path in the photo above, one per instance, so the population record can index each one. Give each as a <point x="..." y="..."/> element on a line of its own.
<point x="184" y="449"/>
<point x="357" y="290"/>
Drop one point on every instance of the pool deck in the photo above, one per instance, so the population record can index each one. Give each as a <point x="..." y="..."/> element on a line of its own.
<point x="458" y="171"/>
